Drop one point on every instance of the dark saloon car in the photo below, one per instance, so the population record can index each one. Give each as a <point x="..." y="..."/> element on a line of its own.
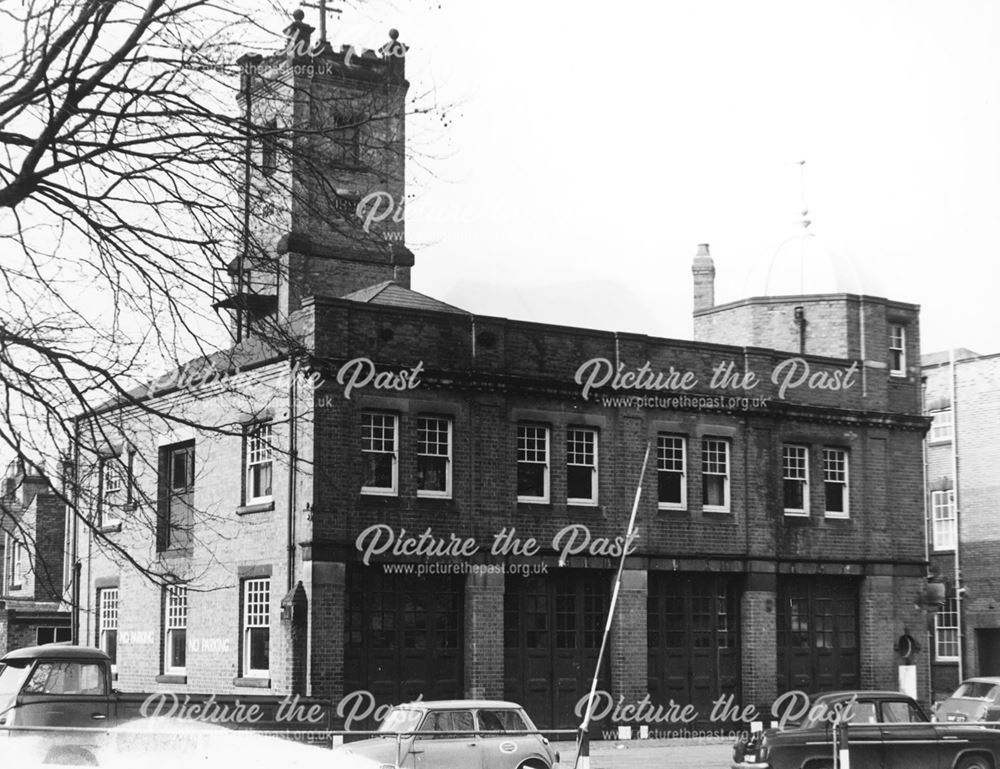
<point x="885" y="730"/>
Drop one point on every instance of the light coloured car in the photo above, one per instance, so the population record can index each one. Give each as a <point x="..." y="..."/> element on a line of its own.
<point x="976" y="699"/>
<point x="456" y="734"/>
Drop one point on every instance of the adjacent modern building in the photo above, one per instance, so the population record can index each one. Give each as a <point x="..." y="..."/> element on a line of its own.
<point x="32" y="526"/>
<point x="421" y="501"/>
<point x="962" y="396"/>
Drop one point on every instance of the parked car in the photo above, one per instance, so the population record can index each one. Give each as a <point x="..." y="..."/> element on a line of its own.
<point x="67" y="693"/>
<point x="977" y="699"/>
<point x="456" y="734"/>
<point x="886" y="730"/>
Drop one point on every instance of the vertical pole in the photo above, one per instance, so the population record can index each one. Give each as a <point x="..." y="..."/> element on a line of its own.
<point x="958" y="518"/>
<point x="614" y="598"/>
<point x="583" y="750"/>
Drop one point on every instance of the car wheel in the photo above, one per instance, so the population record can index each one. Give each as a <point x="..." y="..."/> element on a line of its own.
<point x="533" y="765"/>
<point x="974" y="762"/>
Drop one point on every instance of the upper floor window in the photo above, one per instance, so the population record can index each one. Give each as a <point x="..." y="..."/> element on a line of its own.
<point x="944" y="521"/>
<point x="260" y="463"/>
<point x="115" y="488"/>
<point x="897" y="349"/>
<point x="257" y="627"/>
<point x="433" y="457"/>
<point x="380" y="450"/>
<point x="176" y="496"/>
<point x="795" y="473"/>
<point x="107" y="622"/>
<point x="532" y="463"/>
<point x="671" y="467"/>
<point x="17" y="557"/>
<point x="942" y="427"/>
<point x="946" y="648"/>
<point x="715" y="475"/>
<point x="581" y="466"/>
<point x="836" y="486"/>
<point x="269" y="147"/>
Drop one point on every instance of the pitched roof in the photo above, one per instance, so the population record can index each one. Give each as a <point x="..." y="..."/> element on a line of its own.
<point x="939" y="358"/>
<point x="392" y="294"/>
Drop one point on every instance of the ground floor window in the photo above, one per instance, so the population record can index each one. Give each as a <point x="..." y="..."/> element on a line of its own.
<point x="257" y="627"/>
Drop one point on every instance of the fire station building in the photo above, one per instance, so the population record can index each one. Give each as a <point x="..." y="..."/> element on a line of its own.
<point x="422" y="501"/>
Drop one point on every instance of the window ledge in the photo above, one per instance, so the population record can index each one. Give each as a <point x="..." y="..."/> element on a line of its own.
<point x="256" y="507"/>
<point x="110" y="528"/>
<point x="837" y="516"/>
<point x="172" y="678"/>
<point x="252" y="682"/>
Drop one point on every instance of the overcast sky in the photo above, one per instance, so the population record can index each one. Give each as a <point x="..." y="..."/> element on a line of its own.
<point x="594" y="145"/>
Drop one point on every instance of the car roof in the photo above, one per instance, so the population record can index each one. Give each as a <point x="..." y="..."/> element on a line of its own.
<point x="460" y="704"/>
<point x="56" y="651"/>
<point x="860" y="694"/>
<point x="982" y="680"/>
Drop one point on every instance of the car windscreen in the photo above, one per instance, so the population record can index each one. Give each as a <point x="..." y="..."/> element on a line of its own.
<point x="976" y="690"/>
<point x="401" y="720"/>
<point x="66" y="677"/>
<point x="12" y="675"/>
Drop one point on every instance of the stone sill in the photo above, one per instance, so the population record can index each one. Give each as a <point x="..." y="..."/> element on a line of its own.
<point x="251" y="682"/>
<point x="172" y="678"/>
<point x="256" y="507"/>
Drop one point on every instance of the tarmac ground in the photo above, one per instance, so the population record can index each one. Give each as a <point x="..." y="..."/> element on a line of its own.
<point x="650" y="754"/>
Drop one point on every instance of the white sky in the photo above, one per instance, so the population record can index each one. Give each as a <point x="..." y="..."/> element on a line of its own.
<point x="594" y="145"/>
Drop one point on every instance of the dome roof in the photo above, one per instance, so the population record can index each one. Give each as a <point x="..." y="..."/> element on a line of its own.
<point x="806" y="264"/>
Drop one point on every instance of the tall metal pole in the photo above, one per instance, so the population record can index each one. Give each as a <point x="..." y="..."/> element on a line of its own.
<point x="614" y="601"/>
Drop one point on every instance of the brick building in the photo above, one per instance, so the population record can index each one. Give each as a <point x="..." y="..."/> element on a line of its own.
<point x="962" y="396"/>
<point x="434" y="508"/>
<point x="32" y="529"/>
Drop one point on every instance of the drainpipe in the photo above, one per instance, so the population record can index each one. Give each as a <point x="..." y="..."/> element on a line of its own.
<point x="74" y="535"/>
<point x="958" y="518"/>
<point x="293" y="457"/>
<point x="800" y="320"/>
<point x="928" y="529"/>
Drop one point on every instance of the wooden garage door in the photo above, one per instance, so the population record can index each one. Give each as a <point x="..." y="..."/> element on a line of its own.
<point x="552" y="635"/>
<point x="818" y="634"/>
<point x="403" y="635"/>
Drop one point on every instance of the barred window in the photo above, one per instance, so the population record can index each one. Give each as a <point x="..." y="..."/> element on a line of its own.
<point x="795" y="469"/>
<point x="581" y="466"/>
<point x="835" y="483"/>
<point x="433" y="457"/>
<point x="260" y="462"/>
<point x="944" y="520"/>
<point x="175" y="648"/>
<point x="107" y="622"/>
<point x="671" y="465"/>
<point x="257" y="627"/>
<point x="946" y="648"/>
<point x="532" y="463"/>
<point x="379" y="447"/>
<point x="715" y="475"/>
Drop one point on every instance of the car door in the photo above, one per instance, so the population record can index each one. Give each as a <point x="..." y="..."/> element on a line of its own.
<point x="446" y="739"/>
<point x="864" y="735"/>
<point x="910" y="741"/>
<point x="68" y="693"/>
<point x="500" y="744"/>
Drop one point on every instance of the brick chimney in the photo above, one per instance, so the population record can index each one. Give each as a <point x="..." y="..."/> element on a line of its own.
<point x="703" y="269"/>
